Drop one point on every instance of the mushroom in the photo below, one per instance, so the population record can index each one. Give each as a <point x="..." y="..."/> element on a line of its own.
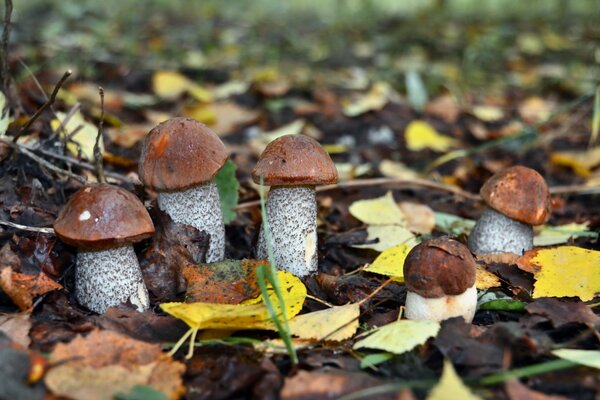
<point x="440" y="279"/>
<point x="293" y="165"/>
<point x="103" y="221"/>
<point x="180" y="158"/>
<point x="517" y="198"/>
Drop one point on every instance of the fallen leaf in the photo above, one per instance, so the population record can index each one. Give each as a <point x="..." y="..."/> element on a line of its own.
<point x="169" y="84"/>
<point x="250" y="315"/>
<point x="387" y="236"/>
<point x="229" y="116"/>
<point x="379" y="211"/>
<point x="394" y="169"/>
<point x="225" y="282"/>
<point x="450" y="386"/>
<point x="563" y="312"/>
<point x="487" y="113"/>
<point x="444" y="107"/>
<point x="82" y="134"/>
<point x="335" y="323"/>
<point x="94" y="367"/>
<point x="228" y="187"/>
<point x="391" y="262"/>
<point x="377" y="97"/>
<point x="453" y="224"/>
<point x="485" y="279"/>
<point x="22" y="288"/>
<point x="589" y="358"/>
<point x="400" y="336"/>
<point x="419" y="135"/>
<point x="565" y="271"/>
<point x="552" y="235"/>
<point x="420" y="218"/>
<point x="4" y="114"/>
<point x="16" y="327"/>
<point x="534" y="110"/>
<point x="128" y="135"/>
<point x="515" y="390"/>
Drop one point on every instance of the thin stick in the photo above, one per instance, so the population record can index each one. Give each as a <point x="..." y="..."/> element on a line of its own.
<point x="97" y="150"/>
<point x="380" y="288"/>
<point x="47" y="104"/>
<point x="28" y="228"/>
<point x="6" y="80"/>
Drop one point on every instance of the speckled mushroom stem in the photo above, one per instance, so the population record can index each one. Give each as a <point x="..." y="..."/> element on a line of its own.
<point x="107" y="278"/>
<point x="497" y="233"/>
<point x="441" y="308"/>
<point x="292" y="217"/>
<point x="199" y="207"/>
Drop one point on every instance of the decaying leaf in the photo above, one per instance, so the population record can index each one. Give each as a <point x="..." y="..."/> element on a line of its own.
<point x="419" y="135"/>
<point x="451" y="386"/>
<point x="335" y="323"/>
<point x="400" y="336"/>
<point x="105" y="362"/>
<point x="22" y="288"/>
<point x="225" y="282"/>
<point x="564" y="271"/>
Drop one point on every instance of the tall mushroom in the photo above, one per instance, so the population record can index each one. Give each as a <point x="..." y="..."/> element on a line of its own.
<point x="103" y="221"/>
<point x="517" y="198"/>
<point x="440" y="279"/>
<point x="180" y="158"/>
<point x="293" y="165"/>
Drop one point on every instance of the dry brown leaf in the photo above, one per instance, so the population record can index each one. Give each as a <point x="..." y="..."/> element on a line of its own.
<point x="22" y="288"/>
<point x="128" y="135"/>
<point x="419" y="217"/>
<point x="229" y="116"/>
<point x="87" y="366"/>
<point x="16" y="327"/>
<point x="444" y="107"/>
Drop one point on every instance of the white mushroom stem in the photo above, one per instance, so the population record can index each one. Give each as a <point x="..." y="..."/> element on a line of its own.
<point x="292" y="219"/>
<point x="107" y="278"/>
<point x="441" y="308"/>
<point x="199" y="207"/>
<point x="497" y="233"/>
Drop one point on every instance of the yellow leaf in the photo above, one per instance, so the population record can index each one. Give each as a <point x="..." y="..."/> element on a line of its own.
<point x="373" y="100"/>
<point x="85" y="137"/>
<point x="551" y="235"/>
<point x="589" y="358"/>
<point x="451" y="386"/>
<point x="566" y="271"/>
<point x="419" y="135"/>
<point x="241" y="316"/>
<point x="393" y="169"/>
<point x="488" y="113"/>
<point x="387" y="236"/>
<point x="572" y="161"/>
<point x="400" y="336"/>
<point x="169" y="84"/>
<point x="200" y="93"/>
<point x="380" y="211"/>
<point x="335" y="323"/>
<point x="202" y="112"/>
<point x="391" y="262"/>
<point x="485" y="279"/>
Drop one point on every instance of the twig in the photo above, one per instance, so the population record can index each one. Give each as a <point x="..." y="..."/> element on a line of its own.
<point x="44" y="106"/>
<point x="97" y="150"/>
<point x="6" y="79"/>
<point x="23" y="150"/>
<point x="28" y="228"/>
<point x="379" y="288"/>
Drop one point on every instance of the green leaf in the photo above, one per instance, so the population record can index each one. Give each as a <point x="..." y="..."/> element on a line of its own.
<point x="453" y="224"/>
<point x="228" y="190"/>
<point x="372" y="360"/>
<point x="141" y="392"/>
<point x="503" y="305"/>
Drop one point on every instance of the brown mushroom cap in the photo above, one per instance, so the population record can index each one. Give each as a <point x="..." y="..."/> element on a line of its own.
<point x="103" y="216"/>
<point x="295" y="160"/>
<point x="180" y="153"/>
<point x="519" y="193"/>
<point x="439" y="267"/>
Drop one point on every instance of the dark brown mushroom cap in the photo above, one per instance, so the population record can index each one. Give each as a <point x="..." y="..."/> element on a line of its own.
<point x="295" y="160"/>
<point x="180" y="153"/>
<point x="103" y="216"/>
<point x="519" y="193"/>
<point x="439" y="267"/>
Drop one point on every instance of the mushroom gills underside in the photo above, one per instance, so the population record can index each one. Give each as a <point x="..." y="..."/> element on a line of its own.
<point x="107" y="278"/>
<point x="497" y="233"/>
<point x="441" y="308"/>
<point x="292" y="219"/>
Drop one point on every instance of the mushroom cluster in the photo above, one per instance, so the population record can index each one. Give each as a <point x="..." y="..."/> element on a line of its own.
<point x="517" y="198"/>
<point x="292" y="166"/>
<point x="103" y="221"/>
<point x="180" y="158"/>
<point x="440" y="279"/>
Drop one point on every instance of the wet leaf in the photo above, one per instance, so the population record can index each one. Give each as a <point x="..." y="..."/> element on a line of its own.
<point x="82" y="134"/>
<point x="23" y="288"/>
<point x="228" y="187"/>
<point x="400" y="336"/>
<point x="419" y="135"/>
<point x="225" y="282"/>
<point x="94" y="367"/>
<point x="565" y="271"/>
<point x="450" y="386"/>
<point x="335" y="323"/>
<point x="250" y="315"/>
<point x="589" y="358"/>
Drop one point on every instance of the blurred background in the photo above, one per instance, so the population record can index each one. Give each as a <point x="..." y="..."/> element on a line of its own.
<point x="454" y="45"/>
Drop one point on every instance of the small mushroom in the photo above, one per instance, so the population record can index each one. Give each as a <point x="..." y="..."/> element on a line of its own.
<point x="180" y="157"/>
<point x="517" y="198"/>
<point x="440" y="279"/>
<point x="103" y="221"/>
<point x="293" y="165"/>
